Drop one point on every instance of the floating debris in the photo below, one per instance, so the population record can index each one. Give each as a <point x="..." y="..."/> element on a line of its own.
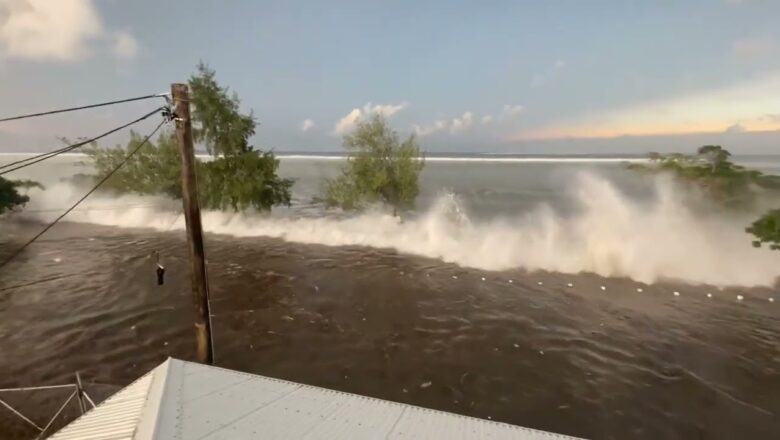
<point x="771" y="300"/>
<point x="288" y="318"/>
<point x="490" y="418"/>
<point x="540" y="283"/>
<point x="541" y="352"/>
<point x="401" y="272"/>
<point x="483" y="278"/>
<point x="676" y="293"/>
<point x="426" y="384"/>
<point x="316" y="288"/>
<point x="511" y="281"/>
<point x="404" y="390"/>
<point x="639" y="289"/>
<point x="132" y="327"/>
<point x="709" y="295"/>
<point x="57" y="260"/>
<point x="516" y="345"/>
<point x="570" y="284"/>
<point x="603" y="287"/>
<point x="740" y="297"/>
<point x="454" y="277"/>
<point x="165" y="343"/>
<point x="91" y="239"/>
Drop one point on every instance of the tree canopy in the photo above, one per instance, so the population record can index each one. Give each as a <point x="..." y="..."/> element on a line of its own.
<point x="237" y="177"/>
<point x="711" y="171"/>
<point x="10" y="198"/>
<point x="731" y="185"/>
<point x="379" y="168"/>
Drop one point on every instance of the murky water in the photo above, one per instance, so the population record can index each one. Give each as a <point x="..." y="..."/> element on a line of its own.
<point x="579" y="360"/>
<point x="482" y="303"/>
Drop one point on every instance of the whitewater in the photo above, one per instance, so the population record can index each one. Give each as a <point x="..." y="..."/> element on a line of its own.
<point x="566" y="218"/>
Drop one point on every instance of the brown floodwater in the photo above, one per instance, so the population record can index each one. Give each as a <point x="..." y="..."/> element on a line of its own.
<point x="610" y="363"/>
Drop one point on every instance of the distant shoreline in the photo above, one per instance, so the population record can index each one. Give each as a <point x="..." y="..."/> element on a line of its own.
<point x="467" y="157"/>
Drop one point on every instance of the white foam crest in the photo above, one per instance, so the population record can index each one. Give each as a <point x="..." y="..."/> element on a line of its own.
<point x="609" y="234"/>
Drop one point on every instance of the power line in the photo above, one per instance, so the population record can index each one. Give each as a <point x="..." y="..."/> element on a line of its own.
<point x="84" y="107"/>
<point x="102" y="181"/>
<point x="43" y="156"/>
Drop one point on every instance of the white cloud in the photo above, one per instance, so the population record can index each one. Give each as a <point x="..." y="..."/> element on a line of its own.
<point x="429" y="129"/>
<point x="511" y="110"/>
<point x="487" y="119"/>
<point x="347" y="123"/>
<point x="545" y="76"/>
<point x="736" y="128"/>
<point x="754" y="47"/>
<point x="752" y="103"/>
<point x="462" y="123"/>
<point x="307" y="125"/>
<point x="58" y="30"/>
<point x="125" y="46"/>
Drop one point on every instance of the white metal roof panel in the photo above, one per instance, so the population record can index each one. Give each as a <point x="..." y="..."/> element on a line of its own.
<point x="114" y="419"/>
<point x="215" y="403"/>
<point x="183" y="400"/>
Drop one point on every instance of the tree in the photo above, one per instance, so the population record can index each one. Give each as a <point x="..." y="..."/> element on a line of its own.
<point x="238" y="176"/>
<point x="766" y="230"/>
<point x="711" y="171"/>
<point x="10" y="198"/>
<point x="731" y="185"/>
<point x="379" y="168"/>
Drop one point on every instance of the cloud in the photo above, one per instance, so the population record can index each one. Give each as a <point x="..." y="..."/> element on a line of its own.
<point x="511" y="110"/>
<point x="307" y="125"/>
<point x="462" y="123"/>
<point x="736" y="128"/>
<point x="430" y="129"/>
<point x="707" y="111"/>
<point x="56" y="30"/>
<point x="487" y="119"/>
<point x="754" y="47"/>
<point x="125" y="46"/>
<point x="545" y="76"/>
<point x="771" y="117"/>
<point x="347" y="123"/>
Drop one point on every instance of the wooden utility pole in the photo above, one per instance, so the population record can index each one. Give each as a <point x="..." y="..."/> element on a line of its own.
<point x="189" y="185"/>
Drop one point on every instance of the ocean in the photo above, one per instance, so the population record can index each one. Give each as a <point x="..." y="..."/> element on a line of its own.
<point x="560" y="293"/>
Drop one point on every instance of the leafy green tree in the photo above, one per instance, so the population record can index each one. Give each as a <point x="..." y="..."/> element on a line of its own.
<point x="10" y="198"/>
<point x="711" y="171"/>
<point x="380" y="168"/>
<point x="766" y="230"/>
<point x="733" y="186"/>
<point x="237" y="177"/>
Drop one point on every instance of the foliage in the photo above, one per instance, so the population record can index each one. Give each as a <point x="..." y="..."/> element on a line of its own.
<point x="734" y="186"/>
<point x="712" y="171"/>
<point x="219" y="124"/>
<point x="380" y="168"/>
<point x="241" y="181"/>
<point x="10" y="198"/>
<point x="237" y="177"/>
<point x="767" y="230"/>
<point x="154" y="169"/>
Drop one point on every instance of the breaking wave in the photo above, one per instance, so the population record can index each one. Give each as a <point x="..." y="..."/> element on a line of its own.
<point x="608" y="233"/>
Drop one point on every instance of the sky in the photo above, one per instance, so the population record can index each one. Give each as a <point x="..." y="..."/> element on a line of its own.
<point x="541" y="77"/>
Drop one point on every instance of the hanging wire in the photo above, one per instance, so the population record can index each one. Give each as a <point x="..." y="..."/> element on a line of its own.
<point x="95" y="188"/>
<point x="84" y="107"/>
<point x="41" y="157"/>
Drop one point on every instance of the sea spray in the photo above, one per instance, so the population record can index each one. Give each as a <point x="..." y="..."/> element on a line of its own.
<point x="608" y="233"/>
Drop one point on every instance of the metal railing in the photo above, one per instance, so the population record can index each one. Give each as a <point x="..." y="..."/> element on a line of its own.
<point x="78" y="393"/>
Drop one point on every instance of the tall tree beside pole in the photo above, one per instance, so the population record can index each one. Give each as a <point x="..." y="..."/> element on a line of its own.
<point x="200" y="291"/>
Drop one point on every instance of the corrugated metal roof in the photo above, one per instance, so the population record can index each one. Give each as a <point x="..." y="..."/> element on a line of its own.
<point x="116" y="418"/>
<point x="192" y="401"/>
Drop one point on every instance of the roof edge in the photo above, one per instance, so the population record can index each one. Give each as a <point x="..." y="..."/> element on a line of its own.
<point x="147" y="425"/>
